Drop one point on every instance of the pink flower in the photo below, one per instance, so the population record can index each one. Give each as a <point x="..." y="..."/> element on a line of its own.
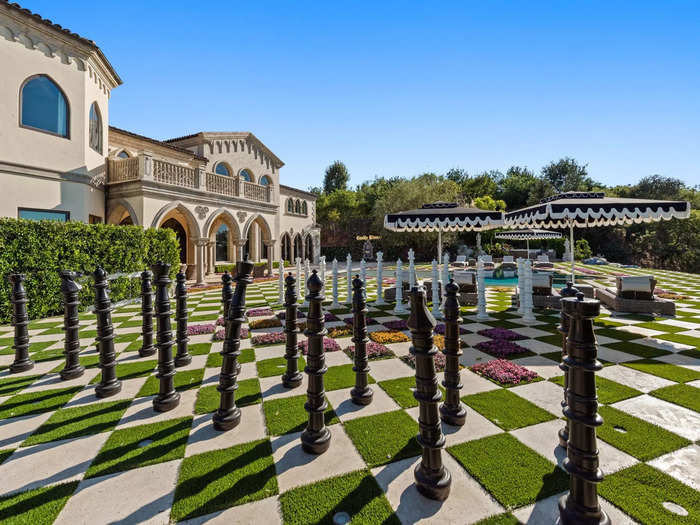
<point x="198" y="329"/>
<point x="504" y="371"/>
<point x="260" y="312"/>
<point x="269" y="338"/>
<point x="329" y="345"/>
<point x="439" y="359"/>
<point x="374" y="350"/>
<point x="500" y="347"/>
<point x="220" y="335"/>
<point x="440" y="329"/>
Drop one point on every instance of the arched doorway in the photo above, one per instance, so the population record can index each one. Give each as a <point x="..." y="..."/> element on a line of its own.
<point x="174" y="224"/>
<point x="258" y="237"/>
<point x="222" y="243"/>
<point x="297" y="247"/>
<point x="286" y="246"/>
<point x="126" y="221"/>
<point x="309" y="248"/>
<point x="121" y="212"/>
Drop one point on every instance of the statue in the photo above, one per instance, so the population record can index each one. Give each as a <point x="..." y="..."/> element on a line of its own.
<point x="567" y="250"/>
<point x="367" y="250"/>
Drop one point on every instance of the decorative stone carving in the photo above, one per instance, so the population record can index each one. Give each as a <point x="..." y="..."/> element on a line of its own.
<point x="241" y="216"/>
<point x="201" y="211"/>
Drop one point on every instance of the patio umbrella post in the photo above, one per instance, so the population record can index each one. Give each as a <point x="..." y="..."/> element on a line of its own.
<point x="439" y="247"/>
<point x="571" y="240"/>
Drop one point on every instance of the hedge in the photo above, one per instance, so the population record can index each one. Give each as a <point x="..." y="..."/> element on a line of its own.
<point x="40" y="249"/>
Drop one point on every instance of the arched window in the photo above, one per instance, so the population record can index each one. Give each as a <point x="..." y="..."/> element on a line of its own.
<point x="297" y="206"/>
<point x="123" y="155"/>
<point x="222" y="169"/>
<point x="265" y="180"/>
<point x="95" y="128"/>
<point x="290" y="206"/>
<point x="304" y="208"/>
<point x="222" y="243"/>
<point x="245" y="175"/>
<point x="44" y="106"/>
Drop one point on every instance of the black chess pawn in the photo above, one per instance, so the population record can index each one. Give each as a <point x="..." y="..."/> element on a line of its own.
<point x="292" y="378"/>
<point x="109" y="385"/>
<point x="182" y="358"/>
<point x="71" y="326"/>
<point x="20" y="322"/>
<point x="167" y="398"/>
<point x="147" y="346"/>
<point x="452" y="411"/>
<point x="361" y="394"/>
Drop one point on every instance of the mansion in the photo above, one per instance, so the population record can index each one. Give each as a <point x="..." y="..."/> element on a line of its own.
<point x="60" y="159"/>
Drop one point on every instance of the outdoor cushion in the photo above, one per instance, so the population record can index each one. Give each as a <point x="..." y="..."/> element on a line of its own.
<point x="541" y="280"/>
<point x="508" y="259"/>
<point x="463" y="277"/>
<point x="542" y="258"/>
<point x="636" y="283"/>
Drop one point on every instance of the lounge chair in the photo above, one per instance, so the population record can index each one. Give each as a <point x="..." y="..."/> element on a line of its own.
<point x="489" y="265"/>
<point x="542" y="263"/>
<point x="635" y="294"/>
<point x="460" y="262"/>
<point x="508" y="266"/>
<point x="466" y="281"/>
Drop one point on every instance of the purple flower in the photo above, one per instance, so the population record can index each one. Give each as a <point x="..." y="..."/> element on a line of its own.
<point x="220" y="335"/>
<point x="260" y="312"/>
<point x="269" y="338"/>
<point x="283" y="315"/>
<point x="501" y="334"/>
<point x="374" y="350"/>
<point x="504" y="372"/>
<point x="329" y="345"/>
<point x="500" y="347"/>
<point x="398" y="324"/>
<point x="329" y="317"/>
<point x="198" y="329"/>
<point x="440" y="329"/>
<point x="439" y="359"/>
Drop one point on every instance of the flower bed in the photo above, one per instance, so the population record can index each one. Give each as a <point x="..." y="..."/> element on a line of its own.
<point x="329" y="317"/>
<point x="374" y="351"/>
<point x="269" y="339"/>
<point x="340" y="331"/>
<point x="220" y="335"/>
<point x="504" y="372"/>
<point x="329" y="345"/>
<point x="439" y="359"/>
<point x="440" y="329"/>
<point x="501" y="348"/>
<point x="439" y="341"/>
<point x="199" y="329"/>
<point x="221" y="321"/>
<point x="283" y="315"/>
<point x="386" y="338"/>
<point x="501" y="334"/>
<point x="260" y="312"/>
<point x="399" y="324"/>
<point x="271" y="322"/>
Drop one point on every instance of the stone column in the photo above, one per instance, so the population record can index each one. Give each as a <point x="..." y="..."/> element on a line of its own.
<point x="211" y="259"/>
<point x="348" y="274"/>
<point x="182" y="358"/>
<point x="71" y="326"/>
<point x="167" y="397"/>
<point x="20" y="322"/>
<point x="399" y="307"/>
<point x="292" y="377"/>
<point x="147" y="347"/>
<point x="433" y="480"/>
<point x="253" y="236"/>
<point x="434" y="288"/>
<point x="361" y="394"/>
<point x="335" y="304"/>
<point x="380" y="282"/>
<point x="240" y="248"/>
<point x="109" y="384"/>
<point x="316" y="438"/>
<point x="200" y="244"/>
<point x="452" y="411"/>
<point x="480" y="290"/>
<point x="411" y="269"/>
<point x="581" y="504"/>
<point x="270" y="256"/>
<point x="563" y="328"/>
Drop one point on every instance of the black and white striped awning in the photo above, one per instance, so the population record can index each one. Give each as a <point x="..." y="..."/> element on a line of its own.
<point x="528" y="235"/>
<point x="587" y="209"/>
<point x="444" y="216"/>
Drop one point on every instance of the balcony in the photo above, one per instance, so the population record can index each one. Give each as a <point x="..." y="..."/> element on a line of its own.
<point x="146" y="168"/>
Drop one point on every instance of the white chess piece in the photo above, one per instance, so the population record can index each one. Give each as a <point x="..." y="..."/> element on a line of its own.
<point x="348" y="270"/>
<point x="334" y="271"/>
<point x="280" y="296"/>
<point x="481" y="290"/>
<point x="380" y="284"/>
<point x="411" y="269"/>
<point x="298" y="276"/>
<point x="435" y="292"/>
<point x="399" y="308"/>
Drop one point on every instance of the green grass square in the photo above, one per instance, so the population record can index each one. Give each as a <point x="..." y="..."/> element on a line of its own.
<point x="553" y="339"/>
<point x="287" y="414"/>
<point x="513" y="473"/>
<point x="356" y="494"/>
<point x="224" y="478"/>
<point x="608" y="391"/>
<point x="691" y="352"/>
<point x="88" y="361"/>
<point x="643" y="351"/>
<point x="199" y="348"/>
<point x="635" y="436"/>
<point x="682" y="339"/>
<point x="69" y="423"/>
<point x="554" y="356"/>
<point x="401" y="390"/>
<point x="184" y="380"/>
<point x="131" y="370"/>
<point x="37" y="402"/>
<point x="142" y="445"/>
<point x="500" y="519"/>
<point x="216" y="359"/>
<point x="641" y="490"/>
<point x="208" y="397"/>
<point x="338" y="377"/>
<point x="276" y="366"/>
<point x="4" y="454"/>
<point x="506" y="409"/>
<point x="36" y="507"/>
<point x="10" y="385"/>
<point x="668" y="371"/>
<point x="661" y="327"/>
<point x="47" y="355"/>
<point x="126" y="338"/>
<point x="684" y="395"/>
<point x="384" y="438"/>
<point x="131" y="324"/>
<point x="620" y="335"/>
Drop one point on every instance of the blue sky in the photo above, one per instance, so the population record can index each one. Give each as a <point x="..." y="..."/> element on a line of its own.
<point x="398" y="88"/>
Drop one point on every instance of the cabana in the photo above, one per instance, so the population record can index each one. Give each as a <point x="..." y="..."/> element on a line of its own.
<point x="527" y="235"/>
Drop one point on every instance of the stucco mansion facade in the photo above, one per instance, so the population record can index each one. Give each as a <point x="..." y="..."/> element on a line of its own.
<point x="60" y="159"/>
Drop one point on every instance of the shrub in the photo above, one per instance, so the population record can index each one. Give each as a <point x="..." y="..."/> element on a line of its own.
<point x="388" y="337"/>
<point x="504" y="372"/>
<point x="271" y="322"/>
<point x="40" y="249"/>
<point x="582" y="250"/>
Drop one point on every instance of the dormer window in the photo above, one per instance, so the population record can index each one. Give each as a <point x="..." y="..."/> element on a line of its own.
<point x="95" y="128"/>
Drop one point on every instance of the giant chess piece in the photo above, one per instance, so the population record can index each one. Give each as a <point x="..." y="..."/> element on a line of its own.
<point x="292" y="377"/>
<point x="433" y="480"/>
<point x="452" y="411"/>
<point x="569" y="291"/>
<point x="20" y="321"/>
<point x="147" y="347"/>
<point x="226" y="293"/>
<point x="71" y="325"/>
<point x="316" y="438"/>
<point x="182" y="358"/>
<point x="228" y="414"/>
<point x="581" y="505"/>
<point x="109" y="385"/>
<point x="361" y="394"/>
<point x="167" y="397"/>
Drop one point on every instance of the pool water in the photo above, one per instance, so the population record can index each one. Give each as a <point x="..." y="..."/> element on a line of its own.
<point x="511" y="281"/>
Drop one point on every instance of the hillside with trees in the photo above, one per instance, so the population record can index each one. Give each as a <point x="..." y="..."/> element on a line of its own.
<point x="346" y="212"/>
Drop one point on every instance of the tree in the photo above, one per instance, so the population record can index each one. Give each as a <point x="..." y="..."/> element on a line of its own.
<point x="489" y="203"/>
<point x="516" y="187"/>
<point x="336" y="178"/>
<point x="567" y="175"/>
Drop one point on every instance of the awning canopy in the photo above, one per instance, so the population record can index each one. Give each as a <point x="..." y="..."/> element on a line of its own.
<point x="528" y="235"/>
<point x="589" y="209"/>
<point x="443" y="216"/>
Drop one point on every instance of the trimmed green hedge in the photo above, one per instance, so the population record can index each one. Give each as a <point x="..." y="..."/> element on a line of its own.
<point x="40" y="249"/>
